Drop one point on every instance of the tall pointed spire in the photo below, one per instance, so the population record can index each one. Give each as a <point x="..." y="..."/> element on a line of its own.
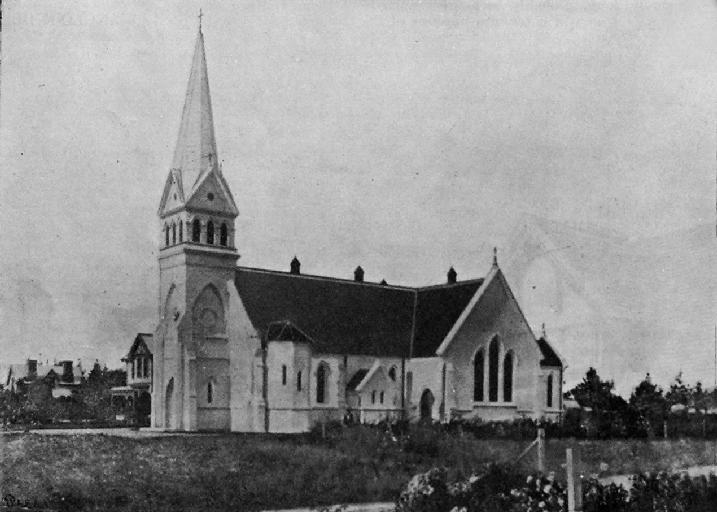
<point x="196" y="151"/>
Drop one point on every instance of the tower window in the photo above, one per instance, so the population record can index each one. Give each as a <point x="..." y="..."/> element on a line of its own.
<point x="381" y="397"/>
<point x="166" y="235"/>
<point x="210" y="196"/>
<point x="223" y="235"/>
<point x="174" y="233"/>
<point x="373" y="397"/>
<point x="196" y="230"/>
<point x="392" y="373"/>
<point x="298" y="381"/>
<point x="180" y="228"/>
<point x="549" y="391"/>
<point x="283" y="374"/>
<point x="210" y="393"/>
<point x="210" y="232"/>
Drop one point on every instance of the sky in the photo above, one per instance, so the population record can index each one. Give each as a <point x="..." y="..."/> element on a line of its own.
<point x="403" y="136"/>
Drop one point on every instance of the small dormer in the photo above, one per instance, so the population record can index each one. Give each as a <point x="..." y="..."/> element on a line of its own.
<point x="452" y="276"/>
<point x="358" y="274"/>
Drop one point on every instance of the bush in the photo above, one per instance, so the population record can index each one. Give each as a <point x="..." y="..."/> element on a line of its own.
<point x="503" y="489"/>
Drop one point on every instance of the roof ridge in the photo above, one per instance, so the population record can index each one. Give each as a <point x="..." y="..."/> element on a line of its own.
<point x="361" y="283"/>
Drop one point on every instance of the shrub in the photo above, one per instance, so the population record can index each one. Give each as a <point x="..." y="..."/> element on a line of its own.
<point x="502" y="489"/>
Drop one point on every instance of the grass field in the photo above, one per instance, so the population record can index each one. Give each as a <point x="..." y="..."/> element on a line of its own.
<point x="253" y="472"/>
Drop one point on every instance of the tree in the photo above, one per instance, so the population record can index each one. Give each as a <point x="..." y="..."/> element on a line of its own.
<point x="680" y="394"/>
<point x="610" y="414"/>
<point x="593" y="392"/>
<point x="649" y="400"/>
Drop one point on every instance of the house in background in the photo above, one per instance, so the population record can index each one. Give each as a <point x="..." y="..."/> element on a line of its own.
<point x="135" y="396"/>
<point x="64" y="377"/>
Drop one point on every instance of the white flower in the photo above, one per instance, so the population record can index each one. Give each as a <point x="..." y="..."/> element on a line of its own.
<point x="529" y="479"/>
<point x="541" y="504"/>
<point x="473" y="479"/>
<point x="547" y="489"/>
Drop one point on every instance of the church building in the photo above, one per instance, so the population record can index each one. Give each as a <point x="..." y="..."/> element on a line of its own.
<point x="257" y="350"/>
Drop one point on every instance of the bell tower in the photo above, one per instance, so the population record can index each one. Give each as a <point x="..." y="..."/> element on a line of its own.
<point x="197" y="260"/>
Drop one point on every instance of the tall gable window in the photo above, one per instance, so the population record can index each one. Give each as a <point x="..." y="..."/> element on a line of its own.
<point x="166" y="235"/>
<point x="283" y="374"/>
<point x="223" y="235"/>
<point x="478" y="376"/>
<point x="210" y="232"/>
<point x="321" y="375"/>
<point x="210" y="392"/>
<point x="549" y="391"/>
<point x="196" y="230"/>
<point x="493" y="355"/>
<point x="180" y="228"/>
<point x="508" y="377"/>
<point x="298" y="381"/>
<point x="174" y="233"/>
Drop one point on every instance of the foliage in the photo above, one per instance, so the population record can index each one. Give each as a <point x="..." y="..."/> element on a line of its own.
<point x="649" y="401"/>
<point x="33" y="404"/>
<point x="432" y="491"/>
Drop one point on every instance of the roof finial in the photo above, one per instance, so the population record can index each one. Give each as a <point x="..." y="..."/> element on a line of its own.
<point x="495" y="256"/>
<point x="200" y="19"/>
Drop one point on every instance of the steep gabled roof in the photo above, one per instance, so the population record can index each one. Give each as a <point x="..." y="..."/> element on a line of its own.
<point x="356" y="379"/>
<point x="143" y="338"/>
<point x="437" y="310"/>
<point x="348" y="317"/>
<point x="285" y="331"/>
<point x="550" y="357"/>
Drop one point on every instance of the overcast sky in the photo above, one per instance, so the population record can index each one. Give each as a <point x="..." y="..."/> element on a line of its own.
<point x="402" y="136"/>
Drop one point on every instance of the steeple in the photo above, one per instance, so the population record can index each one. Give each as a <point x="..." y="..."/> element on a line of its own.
<point x="195" y="154"/>
<point x="197" y="206"/>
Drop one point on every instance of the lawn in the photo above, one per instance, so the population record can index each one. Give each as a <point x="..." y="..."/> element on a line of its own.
<point x="254" y="472"/>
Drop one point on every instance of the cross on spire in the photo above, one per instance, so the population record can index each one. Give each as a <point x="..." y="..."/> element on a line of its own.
<point x="200" y="18"/>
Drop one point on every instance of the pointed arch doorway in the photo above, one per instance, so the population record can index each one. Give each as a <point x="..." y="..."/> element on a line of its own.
<point x="426" y="405"/>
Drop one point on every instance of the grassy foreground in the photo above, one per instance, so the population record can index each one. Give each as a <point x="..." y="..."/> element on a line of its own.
<point x="254" y="472"/>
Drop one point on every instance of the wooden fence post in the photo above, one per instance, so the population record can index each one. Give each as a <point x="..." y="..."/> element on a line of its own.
<point x="541" y="450"/>
<point x="575" y="484"/>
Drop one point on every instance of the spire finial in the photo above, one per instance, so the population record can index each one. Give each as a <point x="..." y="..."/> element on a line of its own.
<point x="495" y="256"/>
<point x="200" y="19"/>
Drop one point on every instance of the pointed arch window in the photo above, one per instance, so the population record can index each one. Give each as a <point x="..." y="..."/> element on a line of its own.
<point x="166" y="235"/>
<point x="196" y="230"/>
<point x="298" y="381"/>
<point x="223" y="235"/>
<point x="373" y="396"/>
<point x="180" y="228"/>
<point x="210" y="232"/>
<point x="210" y="392"/>
<point x="321" y="375"/>
<point x="549" y="391"/>
<point x="493" y="363"/>
<point x="478" y="376"/>
<point x="508" y="377"/>
<point x="283" y="375"/>
<point x="174" y="233"/>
